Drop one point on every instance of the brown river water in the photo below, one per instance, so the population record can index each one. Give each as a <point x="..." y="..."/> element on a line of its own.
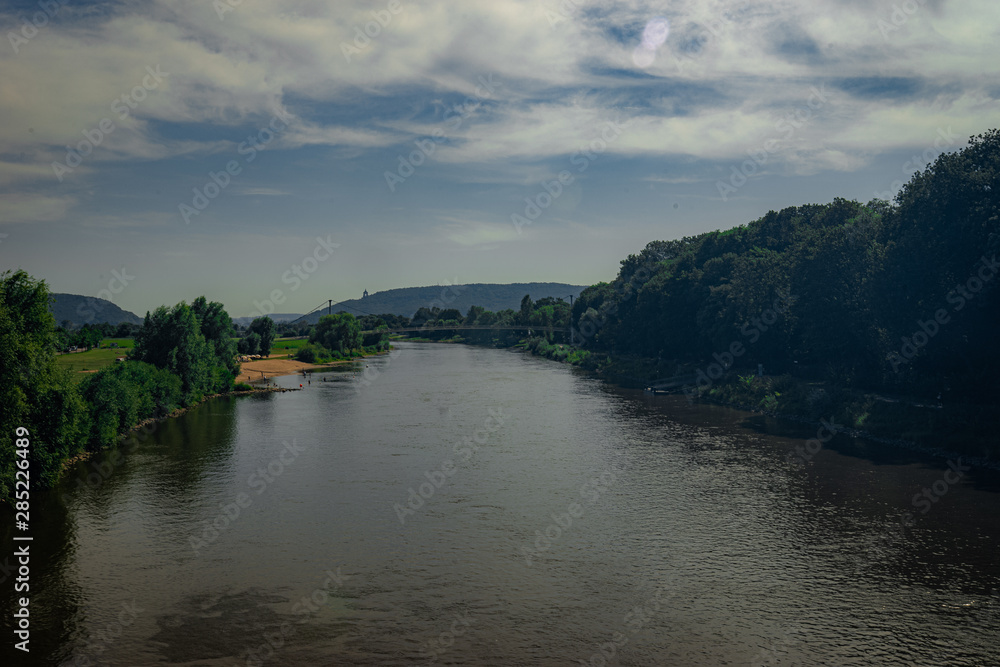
<point x="458" y="505"/>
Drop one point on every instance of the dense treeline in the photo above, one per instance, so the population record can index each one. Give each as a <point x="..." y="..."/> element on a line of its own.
<point x="181" y="354"/>
<point x="340" y="337"/>
<point x="894" y="296"/>
<point x="885" y="295"/>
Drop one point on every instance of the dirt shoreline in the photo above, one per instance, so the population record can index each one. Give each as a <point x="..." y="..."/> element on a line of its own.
<point x="262" y="369"/>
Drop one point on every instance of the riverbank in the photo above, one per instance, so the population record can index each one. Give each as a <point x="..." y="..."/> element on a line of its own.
<point x="251" y="371"/>
<point x="948" y="429"/>
<point x="153" y="421"/>
<point x="282" y="364"/>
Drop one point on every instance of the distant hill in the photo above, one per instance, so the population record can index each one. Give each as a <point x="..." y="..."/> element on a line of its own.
<point x="407" y="300"/>
<point x="81" y="310"/>
<point x="277" y="317"/>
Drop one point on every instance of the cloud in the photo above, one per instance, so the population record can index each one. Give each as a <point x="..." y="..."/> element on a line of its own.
<point x="728" y="72"/>
<point x="27" y="208"/>
<point x="470" y="232"/>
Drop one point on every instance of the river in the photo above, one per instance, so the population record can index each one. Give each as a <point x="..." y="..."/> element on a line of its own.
<point x="458" y="505"/>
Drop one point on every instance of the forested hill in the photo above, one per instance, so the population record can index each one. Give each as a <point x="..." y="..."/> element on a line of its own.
<point x="81" y="310"/>
<point x="897" y="295"/>
<point x="407" y="300"/>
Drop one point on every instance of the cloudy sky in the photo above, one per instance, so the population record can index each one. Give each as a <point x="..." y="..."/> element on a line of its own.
<point x="159" y="150"/>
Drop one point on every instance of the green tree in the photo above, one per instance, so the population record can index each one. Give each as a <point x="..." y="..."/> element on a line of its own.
<point x="338" y="333"/>
<point x="249" y="344"/>
<point x="265" y="330"/>
<point x="216" y="327"/>
<point x="172" y="339"/>
<point x="526" y="308"/>
<point x="122" y="395"/>
<point x="34" y="394"/>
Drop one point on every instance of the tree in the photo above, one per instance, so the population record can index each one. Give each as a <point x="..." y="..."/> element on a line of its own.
<point x="216" y="327"/>
<point x="450" y="315"/>
<point x="122" y="395"/>
<point x="172" y="339"/>
<point x="264" y="328"/>
<point x="249" y="344"/>
<point x="526" y="307"/>
<point x="34" y="393"/>
<point x="475" y="312"/>
<point x="337" y="333"/>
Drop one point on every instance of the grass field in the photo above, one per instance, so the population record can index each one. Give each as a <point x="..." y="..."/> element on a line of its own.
<point x="93" y="360"/>
<point x="97" y="359"/>
<point x="287" y="345"/>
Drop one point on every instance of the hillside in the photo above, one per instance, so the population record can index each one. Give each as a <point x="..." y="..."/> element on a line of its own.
<point x="407" y="300"/>
<point x="277" y="317"/>
<point x="81" y="310"/>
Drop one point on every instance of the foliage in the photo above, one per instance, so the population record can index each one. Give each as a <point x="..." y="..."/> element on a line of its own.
<point x="194" y="343"/>
<point x="249" y="344"/>
<point x="265" y="331"/>
<point x="312" y="353"/>
<point x="34" y="393"/>
<point x="122" y="395"/>
<point x="338" y="333"/>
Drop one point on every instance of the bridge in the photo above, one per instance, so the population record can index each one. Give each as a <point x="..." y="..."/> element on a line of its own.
<point x="466" y="327"/>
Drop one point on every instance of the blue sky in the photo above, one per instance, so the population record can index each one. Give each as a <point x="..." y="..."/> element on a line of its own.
<point x="117" y="116"/>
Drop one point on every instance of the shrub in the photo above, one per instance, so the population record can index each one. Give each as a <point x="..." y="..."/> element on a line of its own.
<point x="312" y="353"/>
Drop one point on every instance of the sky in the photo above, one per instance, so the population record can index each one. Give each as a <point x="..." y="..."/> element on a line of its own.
<point x="278" y="154"/>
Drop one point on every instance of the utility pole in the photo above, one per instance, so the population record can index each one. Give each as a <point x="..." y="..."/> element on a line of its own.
<point x="571" y="336"/>
<point x="329" y="306"/>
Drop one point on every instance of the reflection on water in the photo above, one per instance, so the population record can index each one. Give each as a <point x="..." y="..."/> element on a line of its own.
<point x="474" y="506"/>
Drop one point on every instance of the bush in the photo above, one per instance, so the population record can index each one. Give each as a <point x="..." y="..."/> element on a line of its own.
<point x="122" y="395"/>
<point x="312" y="353"/>
<point x="249" y="344"/>
<point x="242" y="386"/>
